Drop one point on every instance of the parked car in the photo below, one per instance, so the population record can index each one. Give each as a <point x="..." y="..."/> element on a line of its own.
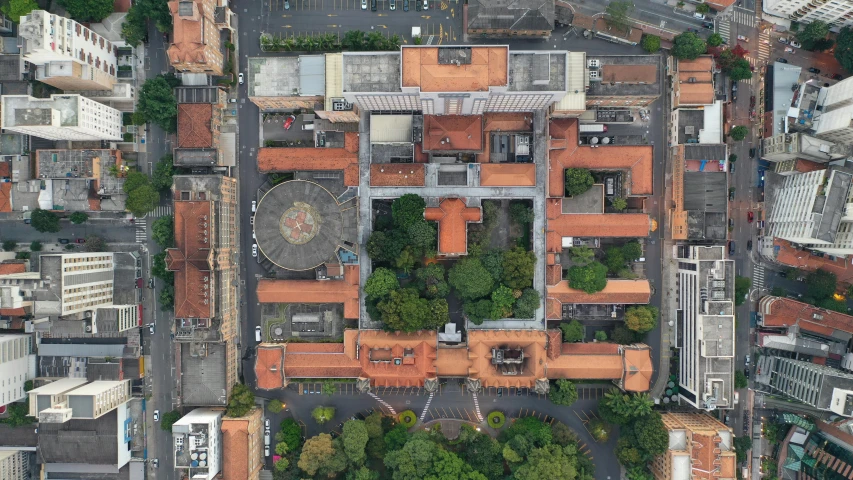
<point x="814" y="70"/>
<point x="749" y="245"/>
<point x="746" y="372"/>
<point x="795" y="44"/>
<point x="267" y="424"/>
<point x="837" y="76"/>
<point x="289" y="122"/>
<point x="418" y="5"/>
<point x="732" y="168"/>
<point x="255" y="250"/>
<point x="749" y="217"/>
<point x="731" y="247"/>
<point x="364" y="4"/>
<point x="258" y="333"/>
<point x="287" y="4"/>
<point x="405" y="5"/>
<point x="156" y="463"/>
<point x="254" y="206"/>
<point x="151" y="282"/>
<point x="746" y="361"/>
<point x="240" y="78"/>
<point x="734" y="86"/>
<point x="743" y="39"/>
<point x="708" y="25"/>
<point x="266" y="450"/>
<point x="64" y="241"/>
<point x="782" y="60"/>
<point x="393" y="5"/>
<point x="151" y="328"/>
<point x="752" y="153"/>
<point x="80" y="240"/>
<point x="699" y="16"/>
<point x="731" y="223"/>
<point x="372" y="5"/>
<point x="789" y="50"/>
<point x="783" y="40"/>
<point x="426" y="5"/>
<point x="732" y="194"/>
<point x="156" y="415"/>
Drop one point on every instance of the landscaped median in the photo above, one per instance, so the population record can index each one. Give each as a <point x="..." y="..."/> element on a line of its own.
<point x="496" y="419"/>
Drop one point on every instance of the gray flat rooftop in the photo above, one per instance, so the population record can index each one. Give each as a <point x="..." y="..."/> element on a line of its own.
<point x="601" y="88"/>
<point x="537" y="71"/>
<point x="72" y="163"/>
<point x="391" y="153"/>
<point x="829" y="208"/>
<point x="591" y="201"/>
<point x="203" y="374"/>
<point x="517" y="15"/>
<point x="704" y="152"/>
<point x="705" y="191"/>
<point x="718" y="335"/>
<point x="274" y="76"/>
<point x="198" y="94"/>
<point x="371" y="72"/>
<point x="22" y="110"/>
<point x="690" y="121"/>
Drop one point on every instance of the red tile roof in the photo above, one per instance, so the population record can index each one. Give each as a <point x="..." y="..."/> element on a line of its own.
<point x="314" y="291"/>
<point x="465" y="132"/>
<point x="13" y="312"/>
<point x="553" y="274"/>
<point x="237" y="446"/>
<point x="269" y="366"/>
<point x="806" y="166"/>
<point x="508" y="122"/>
<point x="507" y="174"/>
<point x="6" y="197"/>
<point x="785" y="312"/>
<point x="192" y="260"/>
<point x="5" y="169"/>
<point x="12" y="267"/>
<point x="638" y="368"/>
<point x="453" y="216"/>
<point x="554" y="309"/>
<point x="589" y="348"/>
<point x="310" y="159"/>
<point x="487" y="68"/>
<point x="786" y="254"/>
<point x="194" y="130"/>
<point x="636" y="159"/>
<point x="397" y="175"/>
<point x="600" y="225"/>
<point x="616" y="292"/>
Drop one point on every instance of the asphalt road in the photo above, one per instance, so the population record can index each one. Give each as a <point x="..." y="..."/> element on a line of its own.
<point x="21" y="232"/>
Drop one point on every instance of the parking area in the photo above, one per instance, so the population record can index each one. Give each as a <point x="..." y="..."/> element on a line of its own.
<point x="381" y="5"/>
<point x="274" y="128"/>
<point x="435" y="413"/>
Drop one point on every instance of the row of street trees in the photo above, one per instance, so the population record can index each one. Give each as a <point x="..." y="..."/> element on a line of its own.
<point x="353" y="40"/>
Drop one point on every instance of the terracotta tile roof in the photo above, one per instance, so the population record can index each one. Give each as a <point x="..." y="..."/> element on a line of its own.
<point x="194" y="130"/>
<point x="269" y="366"/>
<point x="417" y="352"/>
<point x="553" y="242"/>
<point x="94" y="204"/>
<point x="785" y="312"/>
<point x="236" y="446"/>
<point x="720" y="5"/>
<point x="582" y="21"/>
<point x="632" y="34"/>
<point x="555" y="343"/>
<point x="310" y="159"/>
<point x="314" y="291"/>
<point x="192" y="259"/>
<point x="320" y="365"/>
<point x="6" y="197"/>
<point x="397" y="175"/>
<point x="351" y="142"/>
<point x="553" y="274"/>
<point x="638" y="160"/>
<point x="589" y="348"/>
<point x="704" y="63"/>
<point x="12" y="267"/>
<point x="616" y="292"/>
<point x="696" y="94"/>
<point x="629" y="74"/>
<point x="13" y="312"/>
<point x="421" y="68"/>
<point x="507" y="174"/>
<point x="598" y="367"/>
<point x="452" y="216"/>
<point x="188" y="36"/>
<point x="508" y="122"/>
<point x="5" y="169"/>
<point x="452" y="362"/>
<point x="532" y="343"/>
<point x="637" y="376"/>
<point x="315" y="347"/>
<point x="554" y="309"/>
<point x="786" y="254"/>
<point x="806" y="166"/>
<point x="464" y="131"/>
<point x="601" y="225"/>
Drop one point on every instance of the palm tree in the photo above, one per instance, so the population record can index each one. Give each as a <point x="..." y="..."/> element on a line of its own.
<point x="353" y="40"/>
<point x="375" y="41"/>
<point x="394" y="42"/>
<point x="288" y="44"/>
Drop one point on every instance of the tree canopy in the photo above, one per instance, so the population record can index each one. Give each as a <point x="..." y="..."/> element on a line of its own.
<point x="78" y="217"/>
<point x="15" y="9"/>
<point x="618" y="12"/>
<point x="526" y="305"/>
<point x="470" y="279"/>
<point x="168" y="419"/>
<point x="641" y="319"/>
<point x="163" y="231"/>
<point x="573" y="331"/>
<point x="590" y="278"/>
<point x="408" y="210"/>
<point x="45" y="221"/>
<point x="518" y="265"/>
<point x="321" y="457"/>
<point x="844" y="48"/>
<point x="406" y="311"/>
<point x="715" y="40"/>
<point x="354" y="439"/>
<point x="688" y="46"/>
<point x="578" y="180"/>
<point x="812" y="33"/>
<point x="380" y="283"/>
<point x="141" y="196"/>
<point x="742" y="285"/>
<point x="240" y="402"/>
<point x="738" y="133"/>
<point x="563" y="392"/>
<point x="135" y="27"/>
<point x="821" y="284"/>
<point x="162" y="176"/>
<point x="431" y="281"/>
<point x="651" y="43"/>
<point x="88" y="10"/>
<point x="157" y="103"/>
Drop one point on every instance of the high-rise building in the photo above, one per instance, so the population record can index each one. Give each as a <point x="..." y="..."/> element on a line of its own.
<point x="60" y="117"/>
<point x="83" y="281"/>
<point x="823" y="111"/>
<point x="837" y="13"/>
<point x="17" y="365"/>
<point x="705" y="324"/>
<point x="14" y="465"/>
<point x="793" y="146"/>
<point x="197" y="439"/>
<point x="66" y="54"/>
<point x="818" y="386"/>
<point x="73" y="398"/>
<point x="700" y="448"/>
<point x="811" y="209"/>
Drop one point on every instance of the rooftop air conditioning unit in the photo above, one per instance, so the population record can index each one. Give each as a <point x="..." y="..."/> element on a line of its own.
<point x="593" y="63"/>
<point x="593" y="74"/>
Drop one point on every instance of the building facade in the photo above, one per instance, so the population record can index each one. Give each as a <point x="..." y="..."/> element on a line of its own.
<point x="243" y="446"/>
<point x="791" y="146"/>
<point x="60" y="117"/>
<point x="14" y="465"/>
<point x="837" y="13"/>
<point x="700" y="447"/>
<point x="705" y="325"/>
<point x="67" y="55"/>
<point x="85" y="280"/>
<point x="815" y="385"/>
<point x="197" y="439"/>
<point x="196" y="45"/>
<point x="17" y="365"/>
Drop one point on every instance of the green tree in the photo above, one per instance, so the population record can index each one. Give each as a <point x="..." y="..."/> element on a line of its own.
<point x="376" y="435"/>
<point x="572" y="331"/>
<point x="45" y="221"/>
<point x="738" y="133"/>
<point x="478" y="310"/>
<point x="78" y="217"/>
<point x="275" y="406"/>
<point x="10" y="245"/>
<point x="406" y="260"/>
<point x="157" y="103"/>
<point x="396" y="437"/>
<point x="844" y="48"/>
<point x="405" y="311"/>
<point x="715" y="40"/>
<point x="431" y="281"/>
<point x="688" y="46"/>
<point x="421" y="458"/>
<point x="652" y="435"/>
<point x="423" y="235"/>
<point x="166" y="299"/>
<point x="625" y="336"/>
<point x="632" y="250"/>
<point x="742" y="285"/>
<point x="168" y="419"/>
<point x="628" y="453"/>
<point x="821" y="284"/>
<point x="408" y="210"/>
<point x="502" y="301"/>
<point x="492" y="261"/>
<point x="281" y="465"/>
<point x="35" y="246"/>
<point x="470" y="279"/>
<point x="17" y="415"/>
<point x="599" y="430"/>
<point x="617" y="14"/>
<point x="740" y="70"/>
<point x="563" y="392"/>
<point x="15" y="9"/>
<point x="641" y="319"/>
<point x="380" y="283"/>
<point x="95" y="243"/>
<point x="591" y="278"/>
<point x="742" y="446"/>
<point x="832" y="304"/>
<point x="329" y="388"/>
<point x="521" y="213"/>
<point x="703" y="8"/>
<point x="639" y="472"/>
<point x="651" y="43"/>
<point x="240" y="402"/>
<point x="88" y="10"/>
<point x="320" y="457"/>
<point x="537" y="433"/>
<point x="354" y="439"/>
<point x="135" y="179"/>
<point x="518" y="265"/>
<point x="619" y="203"/>
<point x="291" y="434"/>
<point x="622" y="408"/>
<point x="740" y="380"/>
<point x="582" y="255"/>
<point x="482" y="452"/>
<point x="163" y="171"/>
<point x="578" y="180"/>
<point x="163" y="231"/>
<point x="385" y="246"/>
<point x="601" y="336"/>
<point x="526" y="305"/>
<point x="323" y="414"/>
<point x="732" y="158"/>
<point x="614" y="259"/>
<point x="546" y="463"/>
<point x="142" y="200"/>
<point x="814" y="31"/>
<point x="281" y="448"/>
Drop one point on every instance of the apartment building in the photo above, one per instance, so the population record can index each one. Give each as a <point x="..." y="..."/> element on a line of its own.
<point x="81" y="179"/>
<point x="67" y="55"/>
<point x="60" y="117"/>
<point x="74" y="398"/>
<point x="623" y="81"/>
<point x="81" y="281"/>
<point x="837" y="13"/>
<point x="788" y="147"/>
<point x="824" y="112"/>
<point x="705" y="326"/>
<point x="243" y="446"/>
<point x="197" y="441"/>
<point x="196" y="45"/>
<point x="811" y="209"/>
<point x="816" y="385"/>
<point x="14" y="465"/>
<point x="17" y="365"/>
<point x="700" y="448"/>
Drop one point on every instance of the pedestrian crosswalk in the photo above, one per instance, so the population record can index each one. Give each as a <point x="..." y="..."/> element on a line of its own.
<point x="477" y="407"/>
<point x="426" y="407"/>
<point x="383" y="403"/>
<point x="724" y="28"/>
<point x="141" y="228"/>
<point x="743" y="16"/>
<point x="162" y="211"/>
<point x="764" y="47"/>
<point x="758" y="276"/>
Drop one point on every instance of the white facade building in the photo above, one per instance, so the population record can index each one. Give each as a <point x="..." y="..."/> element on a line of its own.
<point x="17" y="365"/>
<point x="85" y="280"/>
<point x="705" y="324"/>
<point x="818" y="386"/>
<point x="813" y="209"/>
<point x="74" y="398"/>
<point x="60" y="117"/>
<point x="14" y="465"/>
<point x="197" y="441"/>
<point x="837" y="13"/>
<point x="67" y="55"/>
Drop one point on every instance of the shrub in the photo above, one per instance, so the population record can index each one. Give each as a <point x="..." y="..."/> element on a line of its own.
<point x="35" y="246"/>
<point x="9" y="245"/>
<point x="408" y="418"/>
<point x="496" y="419"/>
<point x="274" y="406"/>
<point x="78" y="217"/>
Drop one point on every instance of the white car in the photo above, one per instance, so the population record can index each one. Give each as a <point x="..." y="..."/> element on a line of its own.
<point x="254" y="249"/>
<point x="253" y="235"/>
<point x="783" y="40"/>
<point x="426" y="5"/>
<point x="240" y="78"/>
<point x="156" y="415"/>
<point x="258" y="333"/>
<point x="742" y="38"/>
<point x="699" y="16"/>
<point x="796" y="44"/>
<point x="254" y="206"/>
<point x="252" y="220"/>
<point x="789" y="50"/>
<point x="156" y="463"/>
<point x="364" y="4"/>
<point x="151" y="328"/>
<point x="267" y="451"/>
<point x="267" y="424"/>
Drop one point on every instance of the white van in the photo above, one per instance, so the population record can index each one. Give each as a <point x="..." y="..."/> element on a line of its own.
<point x="308" y="126"/>
<point x="267" y="439"/>
<point x="258" y="333"/>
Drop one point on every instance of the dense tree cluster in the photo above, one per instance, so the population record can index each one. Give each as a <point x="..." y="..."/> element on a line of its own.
<point x="135" y="27"/>
<point x="157" y="103"/>
<point x="643" y="435"/>
<point x="141" y="195"/>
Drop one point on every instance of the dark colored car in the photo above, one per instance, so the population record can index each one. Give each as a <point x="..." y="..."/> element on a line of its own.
<point x="782" y="60"/>
<point x="732" y="194"/>
<point x="814" y="70"/>
<point x="731" y="168"/>
<point x="783" y="274"/>
<point x="752" y="153"/>
<point x="731" y="247"/>
<point x="405" y="5"/>
<point x="837" y="76"/>
<point x="372" y="5"/>
<point x="749" y="245"/>
<point x="64" y="241"/>
<point x="418" y="5"/>
<point x="708" y="25"/>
